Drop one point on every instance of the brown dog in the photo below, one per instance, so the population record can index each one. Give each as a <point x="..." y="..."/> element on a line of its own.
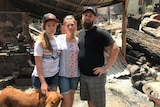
<point x="12" y="97"/>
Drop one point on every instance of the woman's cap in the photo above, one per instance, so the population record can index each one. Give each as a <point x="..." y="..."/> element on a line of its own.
<point x="87" y="8"/>
<point x="49" y="16"/>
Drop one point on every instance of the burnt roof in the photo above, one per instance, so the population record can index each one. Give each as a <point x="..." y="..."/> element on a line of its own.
<point x="61" y="8"/>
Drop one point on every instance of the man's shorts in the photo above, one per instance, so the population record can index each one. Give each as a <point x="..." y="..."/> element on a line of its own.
<point x="93" y="88"/>
<point x="51" y="81"/>
<point x="68" y="84"/>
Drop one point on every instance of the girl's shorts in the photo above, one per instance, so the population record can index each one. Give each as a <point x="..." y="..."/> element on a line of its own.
<point x="51" y="81"/>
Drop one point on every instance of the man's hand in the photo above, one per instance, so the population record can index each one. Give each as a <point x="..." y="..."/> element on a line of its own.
<point x="100" y="70"/>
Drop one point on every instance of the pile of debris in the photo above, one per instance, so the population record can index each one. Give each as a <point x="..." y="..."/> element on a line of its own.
<point x="143" y="54"/>
<point x="150" y="24"/>
<point x="142" y="46"/>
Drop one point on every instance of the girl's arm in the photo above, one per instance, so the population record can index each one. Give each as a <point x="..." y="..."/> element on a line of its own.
<point x="38" y="63"/>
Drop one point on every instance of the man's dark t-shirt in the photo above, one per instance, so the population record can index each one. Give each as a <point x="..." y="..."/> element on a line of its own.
<point x="91" y="44"/>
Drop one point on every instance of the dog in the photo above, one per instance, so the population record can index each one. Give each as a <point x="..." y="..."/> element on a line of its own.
<point x="13" y="97"/>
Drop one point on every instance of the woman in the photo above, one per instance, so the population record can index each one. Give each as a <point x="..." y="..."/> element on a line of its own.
<point x="45" y="73"/>
<point x="68" y="74"/>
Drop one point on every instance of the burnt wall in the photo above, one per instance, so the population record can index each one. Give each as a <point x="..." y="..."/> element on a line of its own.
<point x="6" y="5"/>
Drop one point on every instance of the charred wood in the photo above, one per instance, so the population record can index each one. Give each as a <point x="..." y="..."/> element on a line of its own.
<point x="134" y="21"/>
<point x="144" y="43"/>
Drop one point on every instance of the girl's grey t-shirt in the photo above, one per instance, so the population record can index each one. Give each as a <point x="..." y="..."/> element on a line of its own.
<point x="50" y="63"/>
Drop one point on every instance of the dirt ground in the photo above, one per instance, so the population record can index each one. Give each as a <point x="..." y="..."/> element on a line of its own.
<point x="120" y="93"/>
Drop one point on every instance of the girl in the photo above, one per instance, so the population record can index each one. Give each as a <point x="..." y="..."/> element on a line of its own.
<point x="45" y="73"/>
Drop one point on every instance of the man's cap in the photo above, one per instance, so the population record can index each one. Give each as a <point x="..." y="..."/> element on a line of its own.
<point x="87" y="8"/>
<point x="49" y="16"/>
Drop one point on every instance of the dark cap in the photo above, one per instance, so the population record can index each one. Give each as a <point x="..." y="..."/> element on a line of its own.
<point x="87" y="8"/>
<point x="49" y="16"/>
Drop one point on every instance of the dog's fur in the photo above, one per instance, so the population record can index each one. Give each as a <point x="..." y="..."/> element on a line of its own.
<point x="12" y="97"/>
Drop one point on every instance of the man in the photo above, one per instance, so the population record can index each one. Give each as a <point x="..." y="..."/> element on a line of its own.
<point x="92" y="43"/>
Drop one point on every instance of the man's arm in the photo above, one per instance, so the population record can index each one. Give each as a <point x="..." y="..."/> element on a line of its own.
<point x="113" y="54"/>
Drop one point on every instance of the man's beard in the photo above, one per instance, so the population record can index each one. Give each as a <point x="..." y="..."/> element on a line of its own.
<point x="87" y="25"/>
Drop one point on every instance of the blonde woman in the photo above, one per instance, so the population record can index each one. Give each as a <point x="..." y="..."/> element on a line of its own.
<point x="45" y="73"/>
<point x="68" y="74"/>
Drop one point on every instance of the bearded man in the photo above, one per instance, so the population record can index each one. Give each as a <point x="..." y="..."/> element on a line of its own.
<point x="92" y="64"/>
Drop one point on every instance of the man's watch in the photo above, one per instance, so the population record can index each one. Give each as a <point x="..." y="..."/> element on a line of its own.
<point x="105" y="67"/>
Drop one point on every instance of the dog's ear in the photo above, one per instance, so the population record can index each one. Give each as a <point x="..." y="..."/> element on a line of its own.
<point x="53" y="98"/>
<point x="42" y="98"/>
<point x="60" y="96"/>
<point x="41" y="95"/>
<point x="55" y="104"/>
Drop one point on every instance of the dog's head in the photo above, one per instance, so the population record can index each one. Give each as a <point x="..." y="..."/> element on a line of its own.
<point x="53" y="99"/>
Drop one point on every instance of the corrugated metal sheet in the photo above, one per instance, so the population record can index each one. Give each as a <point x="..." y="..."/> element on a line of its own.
<point x="119" y="68"/>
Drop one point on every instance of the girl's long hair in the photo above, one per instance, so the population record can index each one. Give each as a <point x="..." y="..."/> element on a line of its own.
<point x="45" y="42"/>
